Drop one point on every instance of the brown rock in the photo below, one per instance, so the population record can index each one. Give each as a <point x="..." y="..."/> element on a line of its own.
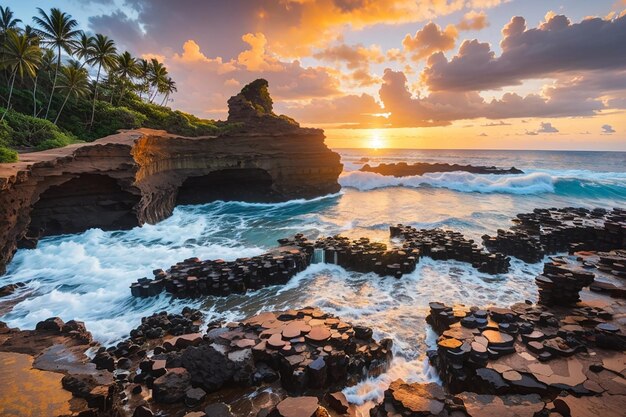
<point x="171" y="387"/>
<point x="296" y="407"/>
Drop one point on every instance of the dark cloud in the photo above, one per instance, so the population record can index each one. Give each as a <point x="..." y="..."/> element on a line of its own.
<point x="555" y="47"/>
<point x="126" y="31"/>
<point x="293" y="27"/>
<point x="500" y="123"/>
<point x="607" y="129"/>
<point x="105" y="2"/>
<point x="440" y="108"/>
<point x="546" y="127"/>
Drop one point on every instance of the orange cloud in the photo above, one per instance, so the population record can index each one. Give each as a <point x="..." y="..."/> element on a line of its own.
<point x="430" y="39"/>
<point x="329" y="18"/>
<point x="473" y="21"/>
<point x="192" y="54"/>
<point x="256" y="58"/>
<point x="354" y="56"/>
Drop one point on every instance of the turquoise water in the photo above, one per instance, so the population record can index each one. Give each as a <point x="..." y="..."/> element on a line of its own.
<point x="86" y="276"/>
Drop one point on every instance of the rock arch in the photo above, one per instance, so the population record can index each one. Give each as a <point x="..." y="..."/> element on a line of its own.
<point x="82" y="202"/>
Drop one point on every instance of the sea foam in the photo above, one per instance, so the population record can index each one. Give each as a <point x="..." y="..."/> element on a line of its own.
<point x="533" y="183"/>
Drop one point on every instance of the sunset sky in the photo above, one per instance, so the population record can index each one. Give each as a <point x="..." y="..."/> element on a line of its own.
<point x="529" y="74"/>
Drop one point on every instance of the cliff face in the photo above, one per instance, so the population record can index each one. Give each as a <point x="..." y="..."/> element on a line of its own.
<point x="139" y="176"/>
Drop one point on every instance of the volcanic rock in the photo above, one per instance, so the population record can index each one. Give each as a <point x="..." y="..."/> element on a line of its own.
<point x="172" y="386"/>
<point x="402" y="169"/>
<point x="296" y="407"/>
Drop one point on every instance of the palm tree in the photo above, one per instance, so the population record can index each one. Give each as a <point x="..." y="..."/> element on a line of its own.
<point x="144" y="74"/>
<point x="74" y="81"/>
<point x="104" y="55"/>
<point x="22" y="56"/>
<point x="83" y="47"/>
<point x="47" y="64"/>
<point x="168" y="88"/>
<point x="126" y="70"/>
<point x="7" y="21"/>
<point x="157" y="76"/>
<point x="58" y="31"/>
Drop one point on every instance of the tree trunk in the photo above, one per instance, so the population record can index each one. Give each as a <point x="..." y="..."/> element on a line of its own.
<point x="35" y="96"/>
<point x="10" y="94"/>
<point x="62" y="106"/>
<point x="121" y="94"/>
<point x="54" y="83"/>
<point x="95" y="96"/>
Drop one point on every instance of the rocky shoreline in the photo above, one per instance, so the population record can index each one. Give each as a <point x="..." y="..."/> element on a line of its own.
<point x="545" y="231"/>
<point x="402" y="169"/>
<point x="561" y="357"/>
<point x="139" y="176"/>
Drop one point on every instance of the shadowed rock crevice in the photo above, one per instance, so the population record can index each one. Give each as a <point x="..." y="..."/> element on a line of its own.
<point x="252" y="184"/>
<point x="83" y="202"/>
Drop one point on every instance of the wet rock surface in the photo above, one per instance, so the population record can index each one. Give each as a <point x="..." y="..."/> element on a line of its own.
<point x="402" y="169"/>
<point x="561" y="282"/>
<point x="446" y="244"/>
<point x="569" y="229"/>
<point x="57" y="347"/>
<point x="525" y="349"/>
<point x="194" y="278"/>
<point x="9" y="289"/>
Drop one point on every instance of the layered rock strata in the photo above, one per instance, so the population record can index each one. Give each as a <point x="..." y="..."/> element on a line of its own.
<point x="402" y="169"/>
<point x="561" y="282"/>
<point x="139" y="176"/>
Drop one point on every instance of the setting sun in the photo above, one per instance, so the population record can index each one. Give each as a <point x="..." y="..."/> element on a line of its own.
<point x="376" y="140"/>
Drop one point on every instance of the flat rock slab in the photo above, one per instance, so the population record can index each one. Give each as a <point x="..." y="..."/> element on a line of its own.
<point x="497" y="338"/>
<point x="29" y="392"/>
<point x="506" y="405"/>
<point x="297" y="407"/>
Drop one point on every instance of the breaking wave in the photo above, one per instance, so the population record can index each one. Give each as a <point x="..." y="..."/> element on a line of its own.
<point x="585" y="183"/>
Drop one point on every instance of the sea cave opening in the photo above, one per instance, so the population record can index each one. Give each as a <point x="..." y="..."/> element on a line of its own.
<point x="83" y="202"/>
<point x="240" y="184"/>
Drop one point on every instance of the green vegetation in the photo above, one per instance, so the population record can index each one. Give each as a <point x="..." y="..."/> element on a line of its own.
<point x="59" y="85"/>
<point x="7" y="155"/>
<point x="258" y="94"/>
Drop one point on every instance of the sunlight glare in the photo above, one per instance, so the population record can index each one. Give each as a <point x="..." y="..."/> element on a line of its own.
<point x="376" y="140"/>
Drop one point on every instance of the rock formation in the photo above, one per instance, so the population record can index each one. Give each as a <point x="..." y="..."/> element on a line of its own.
<point x="402" y="169"/>
<point x="139" y="176"/>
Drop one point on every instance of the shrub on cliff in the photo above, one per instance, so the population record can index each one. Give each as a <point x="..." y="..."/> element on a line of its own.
<point x="31" y="132"/>
<point x="5" y="133"/>
<point x="107" y="121"/>
<point x="7" y="155"/>
<point x="174" y="121"/>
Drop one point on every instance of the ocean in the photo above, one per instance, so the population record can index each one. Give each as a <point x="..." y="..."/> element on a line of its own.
<point x="87" y="276"/>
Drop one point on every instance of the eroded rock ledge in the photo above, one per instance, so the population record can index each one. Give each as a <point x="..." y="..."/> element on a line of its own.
<point x="139" y="176"/>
